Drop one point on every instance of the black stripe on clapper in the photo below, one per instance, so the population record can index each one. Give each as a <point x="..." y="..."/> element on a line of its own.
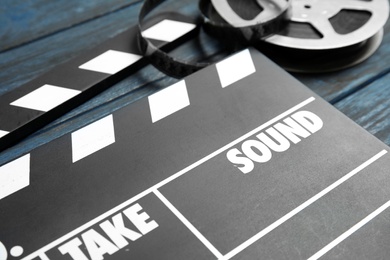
<point x="22" y="111"/>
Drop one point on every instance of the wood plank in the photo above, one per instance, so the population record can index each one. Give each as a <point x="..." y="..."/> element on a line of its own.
<point x="22" y="64"/>
<point x="26" y="21"/>
<point x="370" y="108"/>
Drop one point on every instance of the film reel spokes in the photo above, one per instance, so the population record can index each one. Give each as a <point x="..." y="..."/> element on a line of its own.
<point x="339" y="23"/>
<point x="328" y="35"/>
<point x="270" y="9"/>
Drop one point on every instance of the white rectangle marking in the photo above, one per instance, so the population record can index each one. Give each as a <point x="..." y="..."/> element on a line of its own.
<point x="168" y="101"/>
<point x="350" y="231"/>
<point x="187" y="224"/>
<point x="14" y="176"/>
<point x="3" y="133"/>
<point x="164" y="182"/>
<point x="45" y="98"/>
<point x="168" y="30"/>
<point x="236" y="67"/>
<point x="92" y="138"/>
<point x="111" y="62"/>
<point x="301" y="207"/>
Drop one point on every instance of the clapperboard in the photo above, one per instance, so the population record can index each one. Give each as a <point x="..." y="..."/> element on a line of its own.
<point x="236" y="161"/>
<point x="51" y="95"/>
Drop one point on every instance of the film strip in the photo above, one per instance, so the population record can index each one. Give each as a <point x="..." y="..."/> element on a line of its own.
<point x="49" y="96"/>
<point x="224" y="163"/>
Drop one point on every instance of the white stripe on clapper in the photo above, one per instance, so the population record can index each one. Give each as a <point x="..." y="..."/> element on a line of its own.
<point x="43" y="256"/>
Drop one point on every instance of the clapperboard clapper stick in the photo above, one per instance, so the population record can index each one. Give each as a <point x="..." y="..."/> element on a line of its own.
<point x="51" y="95"/>
<point x="236" y="161"/>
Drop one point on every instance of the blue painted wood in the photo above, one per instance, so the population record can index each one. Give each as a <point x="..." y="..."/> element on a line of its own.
<point x="25" y="21"/>
<point x="370" y="108"/>
<point x="22" y="64"/>
<point x="19" y="65"/>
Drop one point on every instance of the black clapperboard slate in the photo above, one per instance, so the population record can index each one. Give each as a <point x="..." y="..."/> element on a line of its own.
<point x="45" y="98"/>
<point x="237" y="161"/>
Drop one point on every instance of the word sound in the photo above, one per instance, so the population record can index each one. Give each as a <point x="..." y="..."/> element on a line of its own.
<point x="299" y="125"/>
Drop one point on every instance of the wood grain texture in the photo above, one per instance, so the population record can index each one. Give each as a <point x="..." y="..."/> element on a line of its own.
<point x="370" y="108"/>
<point x="22" y="64"/>
<point x="25" y="21"/>
<point x="26" y="62"/>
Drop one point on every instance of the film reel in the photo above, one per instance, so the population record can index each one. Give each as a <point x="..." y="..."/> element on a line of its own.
<point x="331" y="24"/>
<point x="318" y="36"/>
<point x="323" y="36"/>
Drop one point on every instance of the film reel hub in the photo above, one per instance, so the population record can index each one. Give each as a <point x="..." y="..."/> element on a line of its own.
<point x="317" y="16"/>
<point x="270" y="9"/>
